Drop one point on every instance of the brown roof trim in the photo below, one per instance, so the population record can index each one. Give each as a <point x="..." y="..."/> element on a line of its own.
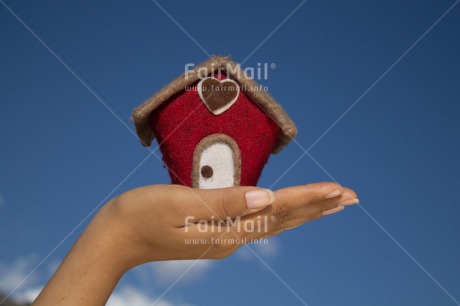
<point x="141" y="114"/>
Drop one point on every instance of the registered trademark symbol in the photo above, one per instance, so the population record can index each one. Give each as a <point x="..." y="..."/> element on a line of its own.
<point x="273" y="218"/>
<point x="272" y="65"/>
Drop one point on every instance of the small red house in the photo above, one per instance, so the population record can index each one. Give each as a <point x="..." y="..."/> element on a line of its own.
<point x="215" y="125"/>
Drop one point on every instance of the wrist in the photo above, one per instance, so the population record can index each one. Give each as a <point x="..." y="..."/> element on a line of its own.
<point x="110" y="234"/>
<point x="92" y="268"/>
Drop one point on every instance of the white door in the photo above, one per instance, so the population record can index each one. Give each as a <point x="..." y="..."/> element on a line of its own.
<point x="216" y="167"/>
<point x="216" y="162"/>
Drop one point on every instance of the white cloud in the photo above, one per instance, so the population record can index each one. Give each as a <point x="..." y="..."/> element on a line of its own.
<point x="28" y="295"/>
<point x="13" y="275"/>
<point x="14" y="278"/>
<point x="264" y="250"/>
<point x="124" y="296"/>
<point x="134" y="297"/>
<point x="244" y="254"/>
<point x="167" y="272"/>
<point x="271" y="249"/>
<point x="164" y="273"/>
<point x="52" y="267"/>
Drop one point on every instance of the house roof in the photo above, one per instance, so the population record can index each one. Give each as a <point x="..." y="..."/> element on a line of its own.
<point x="141" y="114"/>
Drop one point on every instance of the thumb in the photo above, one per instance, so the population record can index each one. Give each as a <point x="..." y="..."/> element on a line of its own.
<point x="229" y="202"/>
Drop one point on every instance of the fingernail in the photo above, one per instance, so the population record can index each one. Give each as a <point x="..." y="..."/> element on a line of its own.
<point x="259" y="198"/>
<point x="349" y="202"/>
<point x="333" y="211"/>
<point x="334" y="194"/>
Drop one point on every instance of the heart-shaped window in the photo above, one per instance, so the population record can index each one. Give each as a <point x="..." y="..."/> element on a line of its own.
<point x="218" y="95"/>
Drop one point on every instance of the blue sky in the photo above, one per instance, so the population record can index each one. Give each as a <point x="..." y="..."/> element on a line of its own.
<point x="63" y="152"/>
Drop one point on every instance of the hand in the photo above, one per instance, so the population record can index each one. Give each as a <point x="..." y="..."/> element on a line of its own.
<point x="154" y="217"/>
<point x="159" y="222"/>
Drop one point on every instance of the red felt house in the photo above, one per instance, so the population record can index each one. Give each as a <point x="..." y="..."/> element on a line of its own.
<point x="216" y="126"/>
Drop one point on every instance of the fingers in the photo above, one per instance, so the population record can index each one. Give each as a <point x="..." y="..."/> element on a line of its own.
<point x="333" y="210"/>
<point x="297" y="196"/>
<point x="291" y="207"/>
<point x="312" y="199"/>
<point x="294" y="206"/>
<point x="347" y="198"/>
